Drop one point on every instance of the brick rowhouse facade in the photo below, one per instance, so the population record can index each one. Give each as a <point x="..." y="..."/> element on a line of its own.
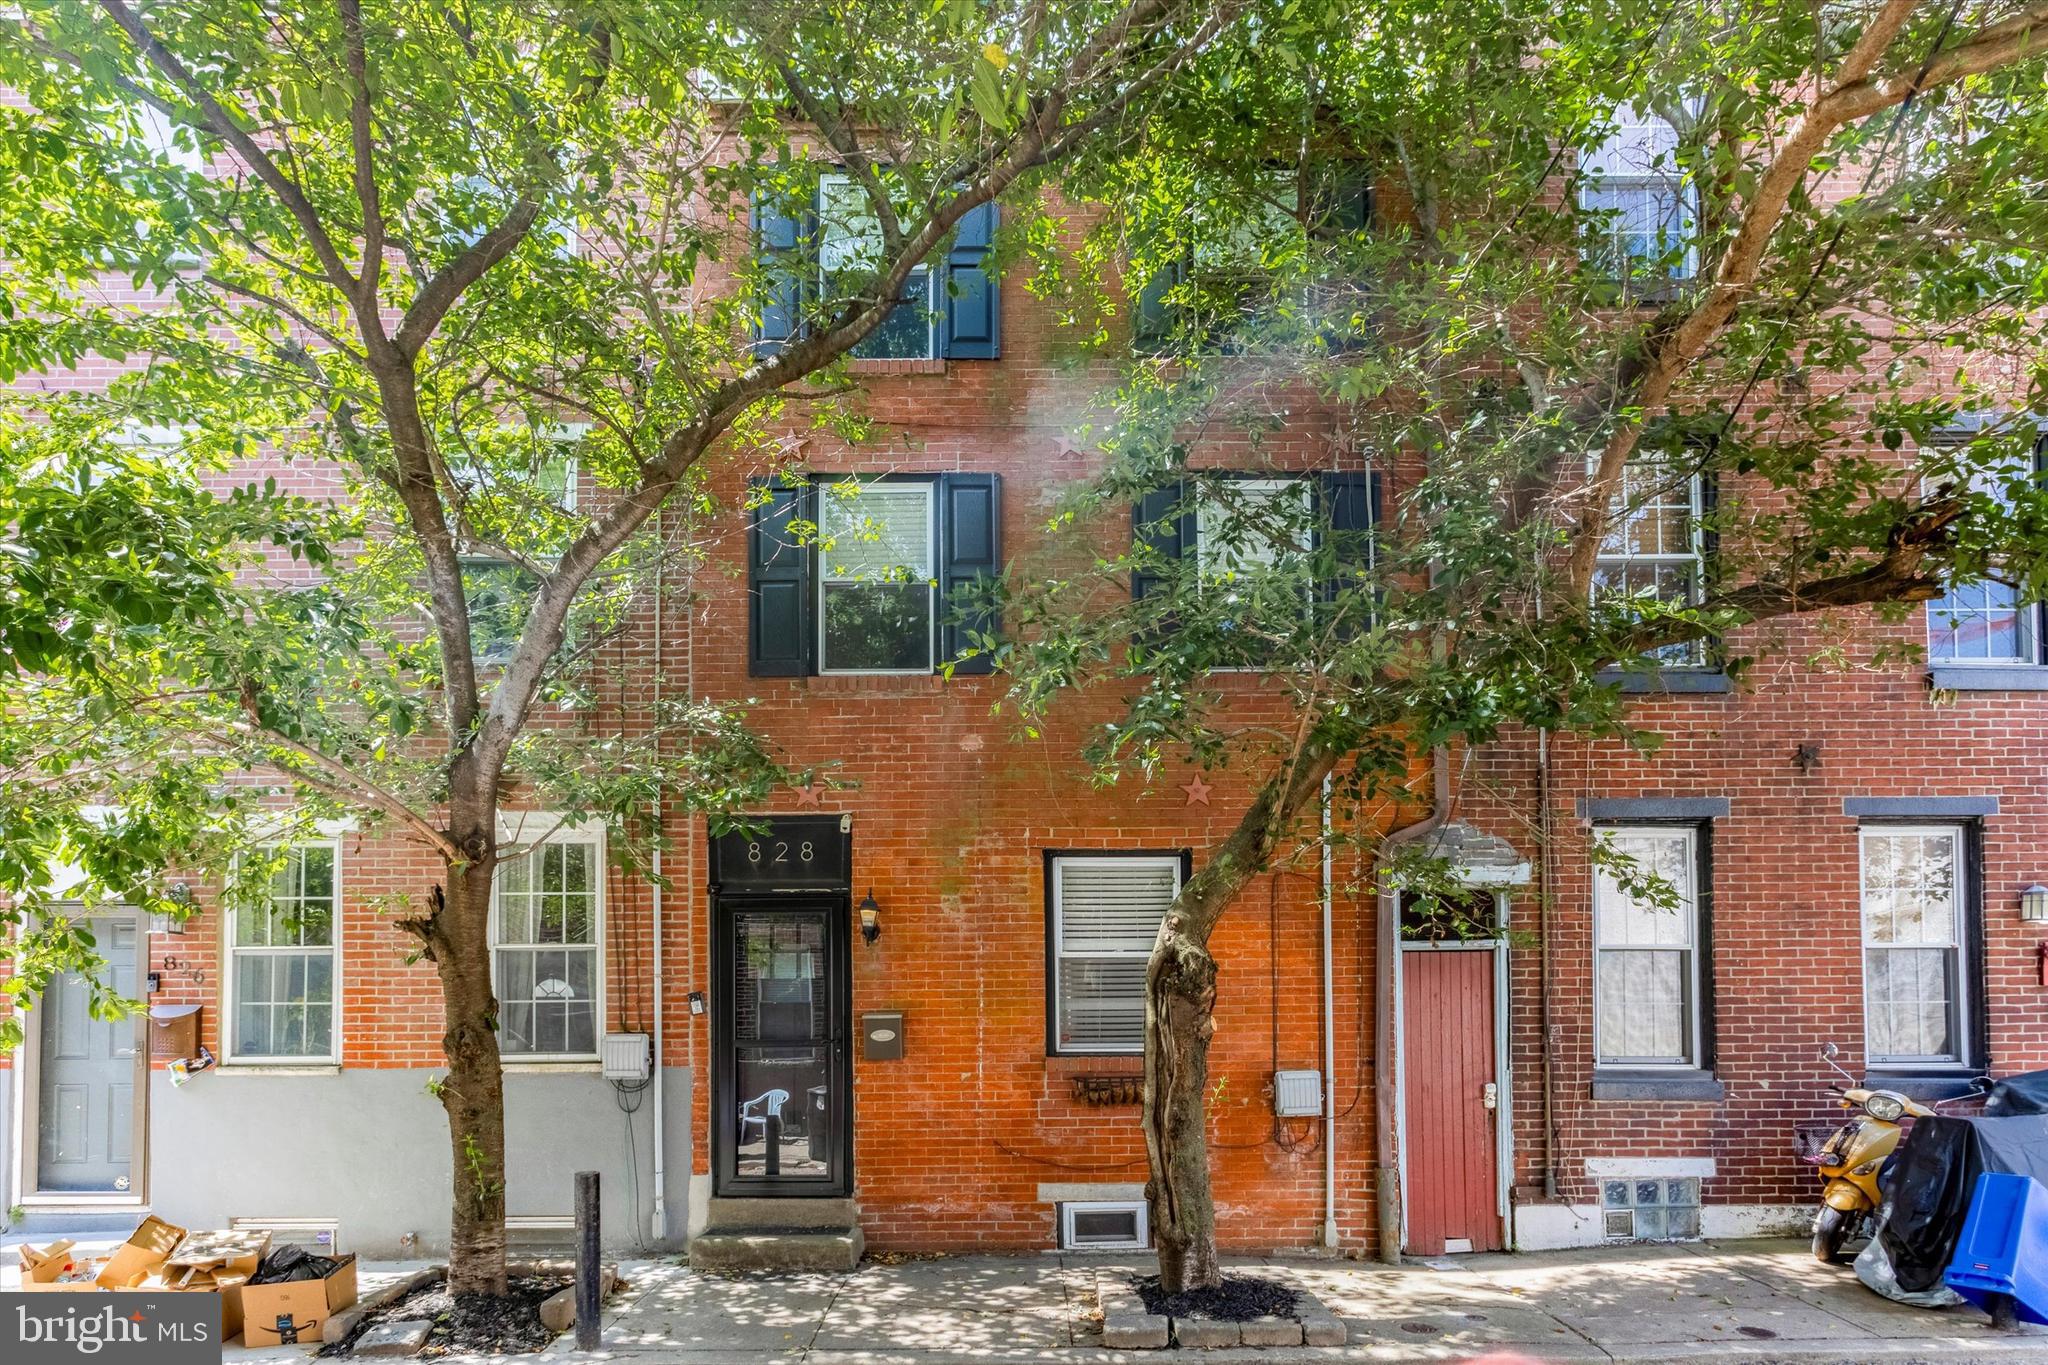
<point x="976" y="1135"/>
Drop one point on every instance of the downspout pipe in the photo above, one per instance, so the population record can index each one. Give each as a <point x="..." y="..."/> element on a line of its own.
<point x="1386" y="1061"/>
<point x="658" y="1223"/>
<point x="1329" y="1039"/>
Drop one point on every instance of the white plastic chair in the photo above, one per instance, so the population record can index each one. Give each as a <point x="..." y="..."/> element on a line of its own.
<point x="764" y="1106"/>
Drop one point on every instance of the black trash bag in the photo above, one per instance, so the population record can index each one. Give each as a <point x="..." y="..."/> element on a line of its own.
<point x="1928" y="1191"/>
<point x="287" y="1264"/>
<point x="2023" y="1094"/>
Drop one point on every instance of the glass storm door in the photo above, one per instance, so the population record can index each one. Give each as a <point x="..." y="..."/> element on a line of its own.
<point x="784" y="1113"/>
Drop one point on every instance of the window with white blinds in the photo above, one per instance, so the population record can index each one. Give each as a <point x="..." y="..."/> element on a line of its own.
<point x="876" y="577"/>
<point x="1105" y="915"/>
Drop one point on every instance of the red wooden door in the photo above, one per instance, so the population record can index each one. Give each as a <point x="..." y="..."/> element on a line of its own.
<point x="1447" y="1063"/>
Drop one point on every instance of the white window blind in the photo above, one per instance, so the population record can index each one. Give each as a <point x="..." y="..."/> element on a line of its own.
<point x="1106" y="913"/>
<point x="1646" y="983"/>
<point x="876" y="591"/>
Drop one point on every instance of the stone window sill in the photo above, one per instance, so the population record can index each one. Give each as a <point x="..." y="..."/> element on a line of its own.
<point x="872" y="367"/>
<point x="1989" y="678"/>
<point x="1670" y="681"/>
<point x="1620" y="1084"/>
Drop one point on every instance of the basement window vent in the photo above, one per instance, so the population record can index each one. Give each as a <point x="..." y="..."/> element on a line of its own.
<point x="1104" y="1227"/>
<point x="1647" y="1209"/>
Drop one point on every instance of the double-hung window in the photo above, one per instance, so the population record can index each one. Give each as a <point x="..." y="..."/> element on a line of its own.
<point x="849" y="246"/>
<point x="547" y="920"/>
<point x="1105" y="915"/>
<point x="1655" y="546"/>
<point x="884" y="574"/>
<point x="1915" y="1000"/>
<point x="1641" y="229"/>
<point x="877" y="591"/>
<point x="512" y="486"/>
<point x="281" y="951"/>
<point x="1987" y="621"/>
<point x="1646" y="948"/>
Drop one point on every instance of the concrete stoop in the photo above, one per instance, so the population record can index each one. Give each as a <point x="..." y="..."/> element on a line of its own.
<point x="779" y="1234"/>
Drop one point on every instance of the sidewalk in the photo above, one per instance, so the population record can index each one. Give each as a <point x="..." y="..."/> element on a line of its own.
<point x="1745" y="1300"/>
<point x="1752" y="1301"/>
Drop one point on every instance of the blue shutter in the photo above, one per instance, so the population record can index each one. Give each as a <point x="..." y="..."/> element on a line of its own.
<point x="780" y="240"/>
<point x="1350" y="510"/>
<point x="779" y="582"/>
<point x="1162" y="521"/>
<point x="972" y="326"/>
<point x="970" y="552"/>
<point x="1151" y="314"/>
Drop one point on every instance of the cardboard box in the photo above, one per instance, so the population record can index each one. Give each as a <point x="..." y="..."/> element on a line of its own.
<point x="55" y="1268"/>
<point x="297" y="1307"/>
<point x="214" y="1263"/>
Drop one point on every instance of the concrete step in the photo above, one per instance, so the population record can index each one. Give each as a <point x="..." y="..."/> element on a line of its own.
<point x="731" y="1251"/>
<point x="782" y="1215"/>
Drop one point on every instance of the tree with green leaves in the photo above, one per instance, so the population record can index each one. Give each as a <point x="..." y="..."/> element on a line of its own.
<point x="481" y="279"/>
<point x="1620" y="254"/>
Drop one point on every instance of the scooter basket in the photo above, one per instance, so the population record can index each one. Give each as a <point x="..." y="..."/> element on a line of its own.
<point x="1810" y="1141"/>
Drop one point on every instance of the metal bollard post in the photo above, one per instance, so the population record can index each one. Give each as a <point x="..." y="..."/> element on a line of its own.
<point x="589" y="1290"/>
<point x="771" y="1132"/>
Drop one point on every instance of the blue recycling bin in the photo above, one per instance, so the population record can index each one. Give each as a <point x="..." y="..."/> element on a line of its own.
<point x="2004" y="1246"/>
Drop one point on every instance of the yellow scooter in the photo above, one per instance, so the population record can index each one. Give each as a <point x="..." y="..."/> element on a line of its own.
<point x="1850" y="1156"/>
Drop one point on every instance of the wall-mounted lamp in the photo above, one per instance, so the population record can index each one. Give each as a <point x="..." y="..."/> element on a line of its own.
<point x="871" y="917"/>
<point x="180" y="893"/>
<point x="2034" y="904"/>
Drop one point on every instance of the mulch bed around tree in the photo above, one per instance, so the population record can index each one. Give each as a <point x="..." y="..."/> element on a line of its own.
<point x="1240" y="1298"/>
<point x="472" y="1324"/>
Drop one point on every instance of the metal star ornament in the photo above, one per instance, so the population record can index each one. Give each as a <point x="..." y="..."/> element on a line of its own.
<point x="808" y="794"/>
<point x="1197" y="790"/>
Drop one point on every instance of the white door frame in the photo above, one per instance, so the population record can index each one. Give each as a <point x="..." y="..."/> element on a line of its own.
<point x="1504" y="1121"/>
<point x="27" y="1071"/>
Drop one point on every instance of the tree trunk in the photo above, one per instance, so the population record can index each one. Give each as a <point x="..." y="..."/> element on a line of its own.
<point x="473" y="1093"/>
<point x="1180" y="1005"/>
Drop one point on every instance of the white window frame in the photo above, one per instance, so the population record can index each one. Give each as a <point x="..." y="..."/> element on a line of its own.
<point x="1059" y="953"/>
<point x="1141" y="1242"/>
<point x="2028" y="623"/>
<point x="531" y="831"/>
<point x="1650" y="178"/>
<point x="1622" y="513"/>
<point x="930" y="488"/>
<point x="1962" y="1019"/>
<point x="930" y="272"/>
<point x="230" y="950"/>
<point x="1695" y="967"/>
<point x="1301" y="486"/>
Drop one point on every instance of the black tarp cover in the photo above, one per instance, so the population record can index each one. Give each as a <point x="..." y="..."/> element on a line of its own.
<point x="2023" y="1094"/>
<point x="1930" y="1184"/>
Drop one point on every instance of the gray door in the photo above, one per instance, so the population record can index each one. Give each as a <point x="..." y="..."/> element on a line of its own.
<point x="86" y="1076"/>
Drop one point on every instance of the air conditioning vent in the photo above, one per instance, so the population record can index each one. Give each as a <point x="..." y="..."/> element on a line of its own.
<point x="1121" y="1226"/>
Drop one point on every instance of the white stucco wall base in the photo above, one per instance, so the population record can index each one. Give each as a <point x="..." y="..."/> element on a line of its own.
<point x="1549" y="1227"/>
<point x="370" y="1149"/>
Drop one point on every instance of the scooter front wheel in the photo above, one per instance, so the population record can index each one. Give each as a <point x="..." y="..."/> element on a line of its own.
<point x="1831" y="1228"/>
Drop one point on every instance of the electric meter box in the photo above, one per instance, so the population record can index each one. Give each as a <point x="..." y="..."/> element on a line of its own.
<point x="627" y="1056"/>
<point x="1298" y="1094"/>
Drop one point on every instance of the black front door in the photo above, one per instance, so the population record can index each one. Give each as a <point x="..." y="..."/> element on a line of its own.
<point x="782" y="1109"/>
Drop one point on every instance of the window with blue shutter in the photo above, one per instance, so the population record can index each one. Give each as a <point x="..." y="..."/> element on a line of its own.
<point x="953" y="312"/>
<point x="1167" y="529"/>
<point x="894" y="586"/>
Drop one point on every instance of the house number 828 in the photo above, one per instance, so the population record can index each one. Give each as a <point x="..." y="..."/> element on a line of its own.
<point x="805" y="852"/>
